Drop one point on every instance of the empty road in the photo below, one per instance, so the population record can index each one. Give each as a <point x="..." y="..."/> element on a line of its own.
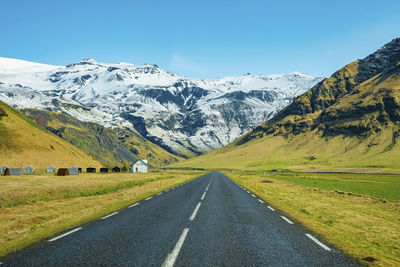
<point x="210" y="221"/>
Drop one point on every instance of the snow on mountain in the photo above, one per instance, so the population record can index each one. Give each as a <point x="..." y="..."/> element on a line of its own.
<point x="186" y="116"/>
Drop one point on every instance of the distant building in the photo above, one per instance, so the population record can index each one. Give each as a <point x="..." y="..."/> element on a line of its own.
<point x="3" y="169"/>
<point x="91" y="170"/>
<point x="51" y="169"/>
<point x="62" y="172"/>
<point x="12" y="172"/>
<point x="73" y="170"/>
<point x="140" y="166"/>
<point x="28" y="169"/>
<point x="116" y="169"/>
<point x="79" y="170"/>
<point x="104" y="170"/>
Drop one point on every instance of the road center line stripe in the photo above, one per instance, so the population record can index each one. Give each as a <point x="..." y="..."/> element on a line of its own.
<point x="109" y="215"/>
<point x="67" y="233"/>
<point x="148" y="198"/>
<point x="261" y="201"/>
<point x="195" y="212"/>
<point x="253" y="195"/>
<point x="287" y="220"/>
<point x="203" y="196"/>
<point x="133" y="205"/>
<point x="318" y="242"/>
<point x="171" y="258"/>
<point x="271" y="208"/>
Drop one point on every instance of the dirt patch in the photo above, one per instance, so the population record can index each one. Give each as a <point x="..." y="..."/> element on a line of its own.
<point x="369" y="259"/>
<point x="266" y="181"/>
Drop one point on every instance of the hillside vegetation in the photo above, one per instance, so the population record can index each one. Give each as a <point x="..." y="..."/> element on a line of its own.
<point x="348" y="122"/>
<point x="23" y="143"/>
<point x="111" y="146"/>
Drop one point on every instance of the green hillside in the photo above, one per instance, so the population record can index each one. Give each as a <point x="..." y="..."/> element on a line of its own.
<point x="111" y="146"/>
<point x="23" y="143"/>
<point x="348" y="122"/>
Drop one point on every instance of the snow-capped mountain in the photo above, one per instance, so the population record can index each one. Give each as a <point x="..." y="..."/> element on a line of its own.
<point x="184" y="115"/>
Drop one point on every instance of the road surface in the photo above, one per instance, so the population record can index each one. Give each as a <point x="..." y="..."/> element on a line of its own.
<point x="210" y="221"/>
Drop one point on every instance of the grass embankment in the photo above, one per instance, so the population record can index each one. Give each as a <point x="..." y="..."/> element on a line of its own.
<point x="34" y="207"/>
<point x="364" y="227"/>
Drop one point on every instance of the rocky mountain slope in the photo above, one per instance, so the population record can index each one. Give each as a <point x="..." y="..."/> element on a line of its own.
<point x="118" y="146"/>
<point x="350" y="120"/>
<point x="185" y="116"/>
<point x="23" y="143"/>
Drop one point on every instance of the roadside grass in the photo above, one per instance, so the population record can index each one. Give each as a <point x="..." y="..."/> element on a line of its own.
<point x="365" y="228"/>
<point x="35" y="207"/>
<point x="382" y="186"/>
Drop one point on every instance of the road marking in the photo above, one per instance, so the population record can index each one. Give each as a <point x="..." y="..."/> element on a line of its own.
<point x="203" y="196"/>
<point x="171" y="258"/>
<point x="67" y="233"/>
<point x="271" y="208"/>
<point x="287" y="220"/>
<point x="195" y="212"/>
<point x="148" y="198"/>
<point x="159" y="194"/>
<point x="261" y="201"/>
<point x="253" y="195"/>
<point x="167" y="190"/>
<point x="318" y="242"/>
<point x="109" y="215"/>
<point x="133" y="205"/>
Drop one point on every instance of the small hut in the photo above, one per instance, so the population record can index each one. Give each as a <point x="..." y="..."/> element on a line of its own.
<point x="79" y="170"/>
<point x="104" y="170"/>
<point x="91" y="170"/>
<point x="51" y="169"/>
<point x="140" y="166"/>
<point x="116" y="169"/>
<point x="62" y="172"/>
<point x="3" y="169"/>
<point x="73" y="170"/>
<point x="12" y="172"/>
<point x="28" y="169"/>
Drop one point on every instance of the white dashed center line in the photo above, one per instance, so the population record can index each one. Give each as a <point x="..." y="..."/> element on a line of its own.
<point x="67" y="233"/>
<point x="318" y="242"/>
<point x="253" y="195"/>
<point x="109" y="215"/>
<point x="271" y="208"/>
<point x="195" y="212"/>
<point x="171" y="258"/>
<point x="203" y="196"/>
<point x="261" y="201"/>
<point x="131" y="206"/>
<point x="287" y="220"/>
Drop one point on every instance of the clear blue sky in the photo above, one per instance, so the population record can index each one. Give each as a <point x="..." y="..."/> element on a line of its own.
<point x="200" y="38"/>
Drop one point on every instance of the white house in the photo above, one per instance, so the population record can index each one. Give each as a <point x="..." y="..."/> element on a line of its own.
<point x="140" y="166"/>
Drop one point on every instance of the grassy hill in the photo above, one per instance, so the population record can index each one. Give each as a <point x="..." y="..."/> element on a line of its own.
<point x="23" y="143"/>
<point x="348" y="122"/>
<point x="111" y="146"/>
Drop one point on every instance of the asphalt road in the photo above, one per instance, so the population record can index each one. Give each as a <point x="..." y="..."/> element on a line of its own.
<point x="210" y="221"/>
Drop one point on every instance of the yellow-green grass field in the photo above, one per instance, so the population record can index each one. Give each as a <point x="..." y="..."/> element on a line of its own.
<point x="367" y="228"/>
<point x="35" y="207"/>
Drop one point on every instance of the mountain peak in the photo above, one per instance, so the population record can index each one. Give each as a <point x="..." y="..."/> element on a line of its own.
<point x="89" y="60"/>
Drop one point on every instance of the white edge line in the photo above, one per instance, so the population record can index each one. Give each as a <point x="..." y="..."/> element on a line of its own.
<point x="318" y="242"/>
<point x="271" y="208"/>
<point x="195" y="212"/>
<point x="159" y="194"/>
<point x="67" y="233"/>
<point x="253" y="195"/>
<point x="171" y="258"/>
<point x="109" y="215"/>
<point x="261" y="201"/>
<point x="131" y="206"/>
<point x="287" y="220"/>
<point x="148" y="198"/>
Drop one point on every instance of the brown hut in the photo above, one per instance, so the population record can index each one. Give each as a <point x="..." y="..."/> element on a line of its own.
<point x="116" y="169"/>
<point x="62" y="172"/>
<point x="104" y="170"/>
